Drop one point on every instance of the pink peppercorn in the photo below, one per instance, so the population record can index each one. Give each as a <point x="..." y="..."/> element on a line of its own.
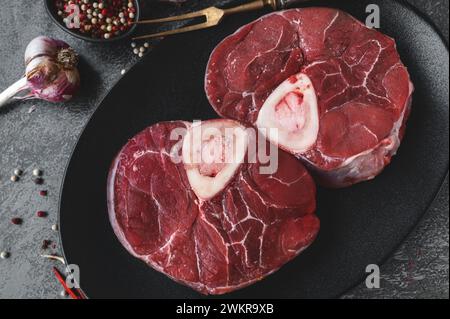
<point x="107" y="14"/>
<point x="17" y="221"/>
<point x="41" y="214"/>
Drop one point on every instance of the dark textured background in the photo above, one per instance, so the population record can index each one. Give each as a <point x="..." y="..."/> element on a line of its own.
<point x="45" y="137"/>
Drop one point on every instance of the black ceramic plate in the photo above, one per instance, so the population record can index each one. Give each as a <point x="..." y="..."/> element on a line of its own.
<point x="361" y="225"/>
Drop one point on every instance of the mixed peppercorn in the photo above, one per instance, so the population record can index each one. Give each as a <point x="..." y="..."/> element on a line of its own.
<point x="37" y="177"/>
<point x="98" y="18"/>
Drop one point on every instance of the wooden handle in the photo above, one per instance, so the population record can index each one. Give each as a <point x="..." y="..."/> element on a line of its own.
<point x="258" y="4"/>
<point x="283" y="4"/>
<point x="255" y="5"/>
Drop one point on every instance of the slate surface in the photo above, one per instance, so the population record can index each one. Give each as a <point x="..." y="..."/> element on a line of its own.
<point x="44" y="139"/>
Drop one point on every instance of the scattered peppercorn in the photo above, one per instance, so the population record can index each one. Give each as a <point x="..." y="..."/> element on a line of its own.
<point x="38" y="181"/>
<point x="18" y="172"/>
<point x="45" y="244"/>
<point x="14" y="178"/>
<point x="4" y="255"/>
<point x="37" y="172"/>
<point x="17" y="221"/>
<point x="41" y="214"/>
<point x="55" y="227"/>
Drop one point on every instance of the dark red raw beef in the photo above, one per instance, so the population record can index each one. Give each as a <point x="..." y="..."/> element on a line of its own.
<point x="248" y="230"/>
<point x="363" y="89"/>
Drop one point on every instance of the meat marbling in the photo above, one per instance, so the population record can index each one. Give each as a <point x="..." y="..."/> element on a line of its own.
<point x="240" y="233"/>
<point x="349" y="123"/>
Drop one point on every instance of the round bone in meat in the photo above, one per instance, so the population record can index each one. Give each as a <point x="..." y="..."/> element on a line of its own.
<point x="362" y="88"/>
<point x="249" y="228"/>
<point x="212" y="153"/>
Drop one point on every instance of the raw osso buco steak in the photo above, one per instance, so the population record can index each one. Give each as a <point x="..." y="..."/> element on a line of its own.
<point x="214" y="227"/>
<point x="336" y="90"/>
<point x="339" y="97"/>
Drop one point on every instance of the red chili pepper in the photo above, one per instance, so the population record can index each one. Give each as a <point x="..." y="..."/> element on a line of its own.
<point x="63" y="283"/>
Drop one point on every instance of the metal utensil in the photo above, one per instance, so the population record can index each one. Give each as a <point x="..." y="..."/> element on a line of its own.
<point x="214" y="16"/>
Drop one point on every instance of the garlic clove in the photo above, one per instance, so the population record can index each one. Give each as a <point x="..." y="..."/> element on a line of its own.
<point x="43" y="46"/>
<point x="61" y="89"/>
<point x="42" y="71"/>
